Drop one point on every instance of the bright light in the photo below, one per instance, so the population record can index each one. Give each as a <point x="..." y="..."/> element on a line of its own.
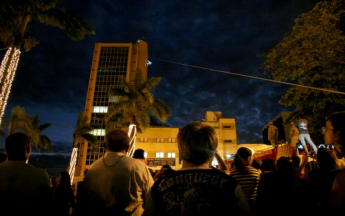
<point x="132" y="134"/>
<point x="7" y="70"/>
<point x="72" y="164"/>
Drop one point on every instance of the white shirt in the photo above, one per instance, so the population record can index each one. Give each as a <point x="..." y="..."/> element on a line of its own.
<point x="119" y="182"/>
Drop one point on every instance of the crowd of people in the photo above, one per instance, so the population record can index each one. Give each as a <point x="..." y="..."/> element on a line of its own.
<point x="117" y="184"/>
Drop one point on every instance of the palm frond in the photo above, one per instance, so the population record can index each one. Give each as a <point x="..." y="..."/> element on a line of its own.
<point x="151" y="84"/>
<point x="90" y="138"/>
<point x="75" y="28"/>
<point x="42" y="127"/>
<point x="30" y="43"/>
<point x="46" y="143"/>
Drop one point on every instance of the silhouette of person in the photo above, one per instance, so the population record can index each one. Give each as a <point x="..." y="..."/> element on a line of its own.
<point x="294" y="135"/>
<point x="272" y="134"/>
<point x="140" y="155"/>
<point x="22" y="186"/>
<point x="334" y="134"/>
<point x="64" y="195"/>
<point x="302" y="125"/>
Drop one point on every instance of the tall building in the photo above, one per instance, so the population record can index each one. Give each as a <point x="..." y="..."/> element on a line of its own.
<point x="111" y="64"/>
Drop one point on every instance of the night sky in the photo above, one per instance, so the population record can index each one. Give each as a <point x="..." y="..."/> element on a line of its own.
<point x="228" y="35"/>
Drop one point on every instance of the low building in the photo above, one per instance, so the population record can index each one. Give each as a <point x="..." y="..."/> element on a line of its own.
<point x="160" y="143"/>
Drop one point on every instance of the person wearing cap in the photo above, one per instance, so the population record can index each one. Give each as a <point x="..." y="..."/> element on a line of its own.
<point x="272" y="134"/>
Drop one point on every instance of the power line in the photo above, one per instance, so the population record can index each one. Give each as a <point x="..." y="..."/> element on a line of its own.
<point x="253" y="77"/>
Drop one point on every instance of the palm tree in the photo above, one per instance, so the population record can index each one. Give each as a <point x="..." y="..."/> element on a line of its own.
<point x="43" y="141"/>
<point x="83" y="131"/>
<point x="16" y="15"/>
<point x="136" y="104"/>
<point x="20" y="121"/>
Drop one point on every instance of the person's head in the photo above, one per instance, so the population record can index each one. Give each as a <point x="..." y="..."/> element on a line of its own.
<point x="17" y="146"/>
<point x="292" y="123"/>
<point x="334" y="132"/>
<point x="117" y="140"/>
<point x="139" y="154"/>
<point x="243" y="158"/>
<point x="285" y="165"/>
<point x="197" y="143"/>
<point x="268" y="164"/>
<point x="326" y="159"/>
<point x="64" y="178"/>
<point x="244" y="153"/>
<point x="270" y="123"/>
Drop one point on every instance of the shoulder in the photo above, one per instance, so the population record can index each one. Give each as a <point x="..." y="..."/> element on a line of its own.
<point x="340" y="177"/>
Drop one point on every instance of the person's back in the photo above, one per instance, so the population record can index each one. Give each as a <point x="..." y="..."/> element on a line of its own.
<point x="284" y="192"/>
<point x="245" y="174"/>
<point x="22" y="186"/>
<point x="196" y="189"/>
<point x="194" y="192"/>
<point x="117" y="184"/>
<point x="322" y="178"/>
<point x="64" y="195"/>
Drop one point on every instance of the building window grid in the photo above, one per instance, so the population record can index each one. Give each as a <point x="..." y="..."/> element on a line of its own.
<point x="112" y="70"/>
<point x="171" y="140"/>
<point x="171" y="155"/>
<point x="159" y="154"/>
<point x="160" y="140"/>
<point x="143" y="140"/>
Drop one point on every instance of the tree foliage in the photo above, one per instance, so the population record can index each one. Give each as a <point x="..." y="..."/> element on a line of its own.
<point x="312" y="54"/>
<point x="17" y="15"/>
<point x="83" y="131"/>
<point x="31" y="126"/>
<point x="136" y="104"/>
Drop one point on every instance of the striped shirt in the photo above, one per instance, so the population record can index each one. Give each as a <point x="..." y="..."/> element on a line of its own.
<point x="249" y="181"/>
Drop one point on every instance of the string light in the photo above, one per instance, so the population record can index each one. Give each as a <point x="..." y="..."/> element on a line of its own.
<point x="7" y="71"/>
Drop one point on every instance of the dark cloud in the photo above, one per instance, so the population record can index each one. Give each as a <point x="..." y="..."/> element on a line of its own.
<point x="52" y="79"/>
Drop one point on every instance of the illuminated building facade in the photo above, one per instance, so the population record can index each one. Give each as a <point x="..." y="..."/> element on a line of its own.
<point x="160" y="143"/>
<point x="111" y="64"/>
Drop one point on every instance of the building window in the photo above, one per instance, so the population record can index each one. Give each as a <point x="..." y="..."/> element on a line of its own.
<point x="113" y="98"/>
<point x="145" y="154"/>
<point x="171" y="155"/>
<point x="159" y="154"/>
<point x="228" y="126"/>
<point x="98" y="132"/>
<point x="100" y="109"/>
<point x="160" y="140"/>
<point x="144" y="140"/>
<point x="171" y="140"/>
<point x="227" y="141"/>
